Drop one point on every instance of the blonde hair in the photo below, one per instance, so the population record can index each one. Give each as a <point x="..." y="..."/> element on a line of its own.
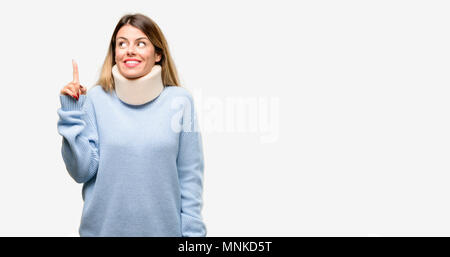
<point x="153" y="32"/>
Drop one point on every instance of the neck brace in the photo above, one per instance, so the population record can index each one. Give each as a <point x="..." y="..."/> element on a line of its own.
<point x="141" y="90"/>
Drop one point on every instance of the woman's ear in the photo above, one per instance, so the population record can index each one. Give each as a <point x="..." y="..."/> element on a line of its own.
<point x="158" y="58"/>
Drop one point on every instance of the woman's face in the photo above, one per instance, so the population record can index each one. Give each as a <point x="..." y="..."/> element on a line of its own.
<point x="135" y="54"/>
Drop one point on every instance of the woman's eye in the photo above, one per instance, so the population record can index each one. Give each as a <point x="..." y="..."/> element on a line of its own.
<point x="121" y="44"/>
<point x="143" y="44"/>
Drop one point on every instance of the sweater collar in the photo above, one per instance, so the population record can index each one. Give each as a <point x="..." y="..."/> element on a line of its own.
<point x="141" y="90"/>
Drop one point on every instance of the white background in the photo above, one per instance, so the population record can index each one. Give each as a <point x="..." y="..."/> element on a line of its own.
<point x="363" y="86"/>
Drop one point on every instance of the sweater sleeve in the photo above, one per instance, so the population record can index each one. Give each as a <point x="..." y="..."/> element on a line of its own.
<point x="77" y="126"/>
<point x="190" y="164"/>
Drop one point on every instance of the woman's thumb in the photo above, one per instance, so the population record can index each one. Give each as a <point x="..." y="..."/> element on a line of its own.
<point x="83" y="90"/>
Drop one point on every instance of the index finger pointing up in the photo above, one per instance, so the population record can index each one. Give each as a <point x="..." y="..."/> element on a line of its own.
<point x="76" y="79"/>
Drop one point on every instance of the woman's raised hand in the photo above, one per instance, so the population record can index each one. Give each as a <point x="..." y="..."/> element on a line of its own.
<point x="74" y="88"/>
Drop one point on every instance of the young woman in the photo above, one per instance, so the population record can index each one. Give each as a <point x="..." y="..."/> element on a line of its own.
<point x="133" y="140"/>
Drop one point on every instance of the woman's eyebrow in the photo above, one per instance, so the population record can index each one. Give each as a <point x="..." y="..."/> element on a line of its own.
<point x="136" y="39"/>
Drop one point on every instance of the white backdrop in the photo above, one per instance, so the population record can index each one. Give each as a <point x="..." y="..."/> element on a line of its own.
<point x="351" y="99"/>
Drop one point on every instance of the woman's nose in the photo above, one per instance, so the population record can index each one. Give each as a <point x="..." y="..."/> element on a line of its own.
<point x="131" y="50"/>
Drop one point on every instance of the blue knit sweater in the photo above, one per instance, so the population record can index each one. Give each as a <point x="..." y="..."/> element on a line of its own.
<point x="141" y="165"/>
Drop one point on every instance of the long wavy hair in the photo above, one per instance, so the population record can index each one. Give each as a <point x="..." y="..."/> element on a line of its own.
<point x="153" y="32"/>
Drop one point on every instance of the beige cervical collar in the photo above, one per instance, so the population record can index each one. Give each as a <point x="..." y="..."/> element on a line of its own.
<point x="141" y="90"/>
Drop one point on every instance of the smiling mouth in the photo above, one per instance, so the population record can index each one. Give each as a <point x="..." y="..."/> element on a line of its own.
<point x="131" y="64"/>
